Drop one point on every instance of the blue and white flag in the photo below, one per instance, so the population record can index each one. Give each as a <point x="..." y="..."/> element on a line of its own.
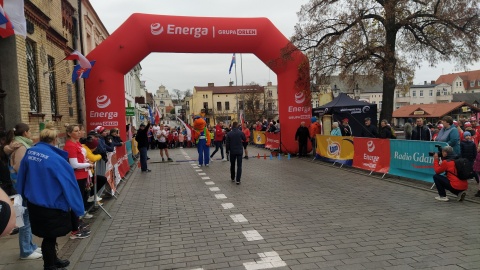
<point x="150" y="113"/>
<point x="231" y="64"/>
<point x="80" y="72"/>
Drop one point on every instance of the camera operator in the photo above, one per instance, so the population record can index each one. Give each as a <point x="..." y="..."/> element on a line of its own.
<point x="449" y="181"/>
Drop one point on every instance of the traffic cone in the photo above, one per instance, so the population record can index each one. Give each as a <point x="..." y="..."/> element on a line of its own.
<point x="288" y="156"/>
<point x="271" y="157"/>
<point x="258" y="155"/>
<point x="279" y="156"/>
<point x="264" y="156"/>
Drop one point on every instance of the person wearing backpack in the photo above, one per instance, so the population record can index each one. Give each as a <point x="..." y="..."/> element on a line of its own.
<point x="450" y="181"/>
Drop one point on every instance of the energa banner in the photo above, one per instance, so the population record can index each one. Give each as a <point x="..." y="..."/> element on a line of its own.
<point x="411" y="159"/>
<point x="259" y="137"/>
<point x="272" y="140"/>
<point x="372" y="154"/>
<point x="335" y="149"/>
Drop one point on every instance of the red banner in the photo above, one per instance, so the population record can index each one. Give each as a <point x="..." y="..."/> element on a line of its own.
<point x="371" y="154"/>
<point x="272" y="140"/>
<point x="122" y="160"/>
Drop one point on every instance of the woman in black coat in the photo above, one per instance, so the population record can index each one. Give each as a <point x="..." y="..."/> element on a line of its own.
<point x="385" y="130"/>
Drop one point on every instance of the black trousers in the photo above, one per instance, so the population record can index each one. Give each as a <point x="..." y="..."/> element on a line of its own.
<point x="49" y="252"/>
<point x="302" y="148"/>
<point x="238" y="159"/>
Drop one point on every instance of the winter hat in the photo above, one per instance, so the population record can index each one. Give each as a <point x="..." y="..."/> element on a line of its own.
<point x="440" y="126"/>
<point x="467" y="124"/>
<point x="345" y="120"/>
<point x="313" y="119"/>
<point x="91" y="143"/>
<point x="99" y="129"/>
<point x="466" y="133"/>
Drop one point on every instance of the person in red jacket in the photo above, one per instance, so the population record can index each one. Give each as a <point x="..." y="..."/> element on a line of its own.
<point x="245" y="131"/>
<point x="218" y="140"/>
<point x="449" y="181"/>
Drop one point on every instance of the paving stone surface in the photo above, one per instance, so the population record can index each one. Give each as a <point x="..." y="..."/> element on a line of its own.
<point x="309" y="215"/>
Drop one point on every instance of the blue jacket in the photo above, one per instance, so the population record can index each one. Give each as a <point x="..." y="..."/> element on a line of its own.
<point x="46" y="179"/>
<point x="235" y="139"/>
<point x="450" y="136"/>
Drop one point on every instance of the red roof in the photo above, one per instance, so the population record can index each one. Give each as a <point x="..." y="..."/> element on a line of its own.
<point x="467" y="77"/>
<point x="430" y="110"/>
<point x="231" y="89"/>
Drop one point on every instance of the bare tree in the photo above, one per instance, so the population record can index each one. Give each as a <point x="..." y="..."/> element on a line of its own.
<point x="386" y="39"/>
<point x="187" y="93"/>
<point x="178" y="94"/>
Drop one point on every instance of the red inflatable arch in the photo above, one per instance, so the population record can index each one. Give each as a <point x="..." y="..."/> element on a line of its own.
<point x="143" y="34"/>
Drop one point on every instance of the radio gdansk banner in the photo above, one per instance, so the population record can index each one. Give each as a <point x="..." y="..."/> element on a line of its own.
<point x="371" y="154"/>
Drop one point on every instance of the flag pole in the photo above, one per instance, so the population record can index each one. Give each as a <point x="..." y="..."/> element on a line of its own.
<point x="236" y="84"/>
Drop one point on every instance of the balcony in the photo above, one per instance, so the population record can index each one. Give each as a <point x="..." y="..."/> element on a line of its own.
<point x="403" y="99"/>
<point x="443" y="99"/>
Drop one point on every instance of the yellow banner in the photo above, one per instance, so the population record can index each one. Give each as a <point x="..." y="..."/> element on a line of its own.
<point x="259" y="137"/>
<point x="335" y="147"/>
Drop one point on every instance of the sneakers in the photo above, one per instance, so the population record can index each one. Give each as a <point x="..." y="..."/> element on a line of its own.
<point x="206" y="165"/>
<point x="233" y="180"/>
<point x="79" y="235"/>
<point x="163" y="160"/>
<point x="443" y="199"/>
<point x="147" y="170"/>
<point x="238" y="182"/>
<point x="224" y="159"/>
<point x="83" y="226"/>
<point x="245" y="157"/>
<point x="33" y="256"/>
<point x="170" y="160"/>
<point x="87" y="216"/>
<point x="91" y="198"/>
<point x="461" y="196"/>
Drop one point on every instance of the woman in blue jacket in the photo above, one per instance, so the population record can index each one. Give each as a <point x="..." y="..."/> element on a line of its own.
<point x="46" y="180"/>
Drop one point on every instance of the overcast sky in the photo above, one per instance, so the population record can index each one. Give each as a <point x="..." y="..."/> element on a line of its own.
<point x="183" y="71"/>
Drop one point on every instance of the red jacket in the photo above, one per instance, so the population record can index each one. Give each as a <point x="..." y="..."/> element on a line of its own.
<point x="448" y="166"/>
<point x="219" y="134"/>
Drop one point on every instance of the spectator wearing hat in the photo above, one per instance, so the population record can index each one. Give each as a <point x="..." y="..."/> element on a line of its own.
<point x="345" y="128"/>
<point x="314" y="129"/>
<point x="435" y="131"/>
<point x="421" y="132"/>
<point x="469" y="127"/>
<point x="369" y="131"/>
<point x="468" y="149"/>
<point x="90" y="144"/>
<point x="407" y="129"/>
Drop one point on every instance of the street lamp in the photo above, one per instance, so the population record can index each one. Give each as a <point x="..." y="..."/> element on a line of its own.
<point x="335" y="90"/>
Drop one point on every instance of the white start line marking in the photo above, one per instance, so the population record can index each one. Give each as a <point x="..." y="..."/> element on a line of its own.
<point x="228" y="205"/>
<point x="267" y="260"/>
<point x="238" y="218"/>
<point x="252" y="235"/>
<point x="205" y="178"/>
<point x="220" y="196"/>
<point x="199" y="170"/>
<point x="202" y="173"/>
<point x="209" y="183"/>
<point x="214" y="189"/>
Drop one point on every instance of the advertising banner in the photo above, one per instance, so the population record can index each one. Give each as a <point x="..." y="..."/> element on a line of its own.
<point x="411" y="159"/>
<point x="272" y="140"/>
<point x="371" y="154"/>
<point x="335" y="149"/>
<point x="128" y="145"/>
<point x="259" y="137"/>
<point x="109" y="172"/>
<point x="122" y="160"/>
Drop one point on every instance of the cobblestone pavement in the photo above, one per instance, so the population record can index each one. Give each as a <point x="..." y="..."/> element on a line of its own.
<point x="286" y="214"/>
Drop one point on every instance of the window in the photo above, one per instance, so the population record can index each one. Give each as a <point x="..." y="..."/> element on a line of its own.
<point x="227" y="105"/>
<point x="269" y="106"/>
<point x="240" y="105"/>
<point x="478" y="82"/>
<point x="397" y="93"/>
<point x="269" y="93"/>
<point x="257" y="104"/>
<point x="317" y="103"/>
<point x="205" y="105"/>
<point x="32" y="73"/>
<point x="430" y="93"/>
<point x="438" y="92"/>
<point x="456" y="84"/>
<point x="414" y="93"/>
<point x="460" y="83"/>
<point x="472" y="83"/>
<point x="445" y="91"/>
<point x="380" y="105"/>
<point x="219" y="106"/>
<point x="53" y="85"/>
<point x="421" y="93"/>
